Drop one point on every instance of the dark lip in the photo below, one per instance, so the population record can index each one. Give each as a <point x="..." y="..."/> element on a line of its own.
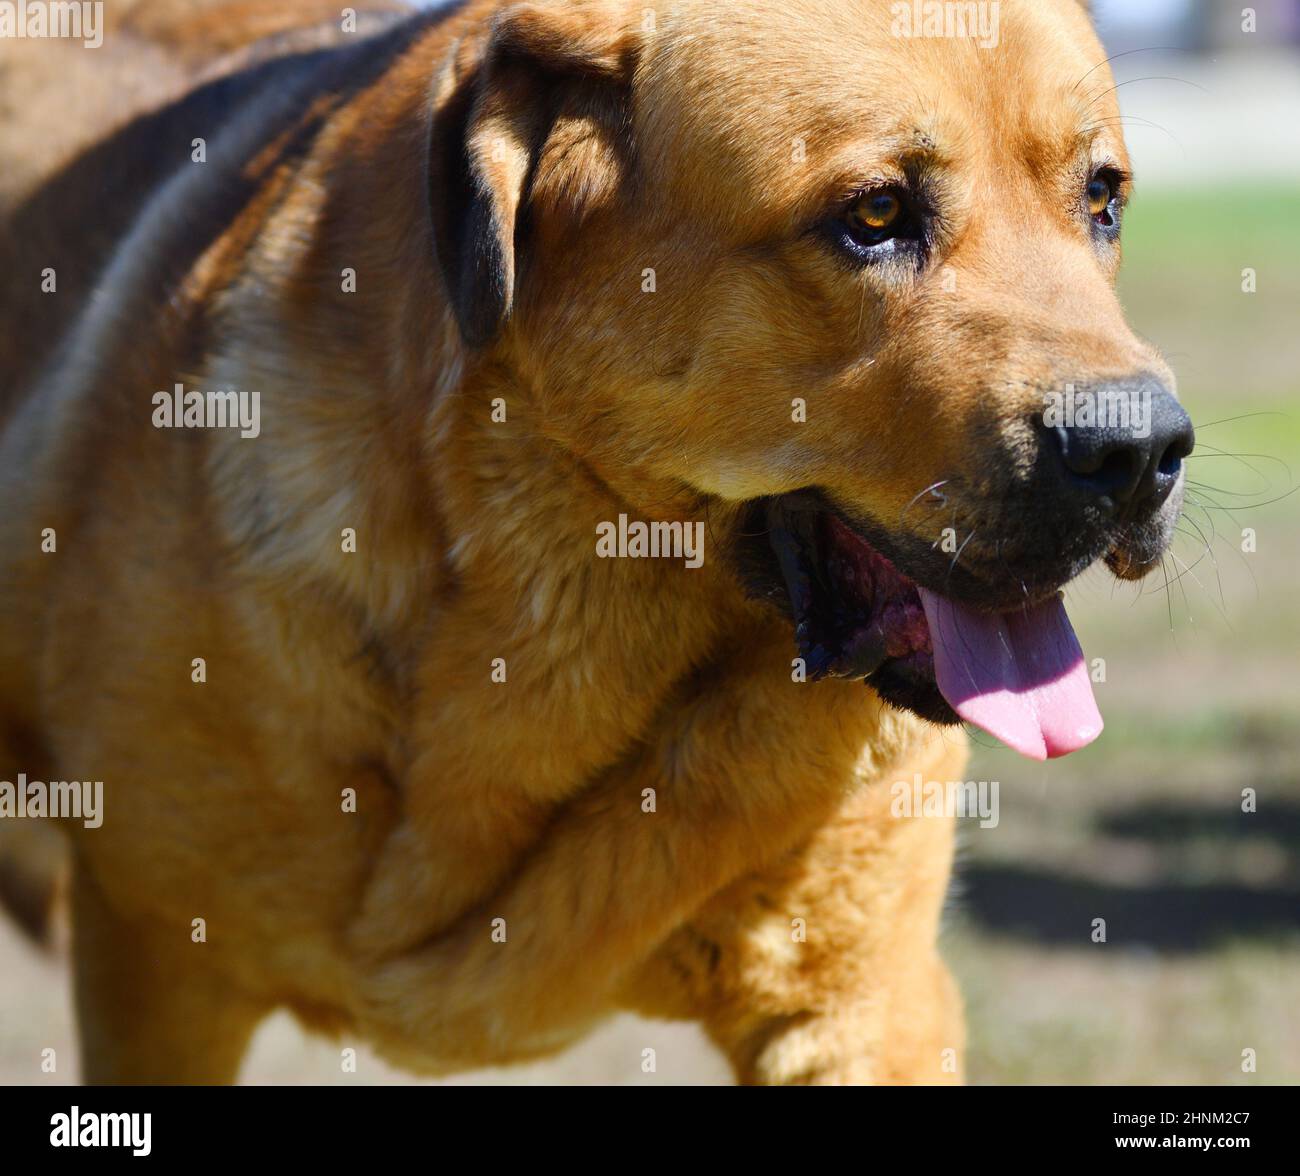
<point x="855" y="615"/>
<point x="998" y="589"/>
<point x="834" y="635"/>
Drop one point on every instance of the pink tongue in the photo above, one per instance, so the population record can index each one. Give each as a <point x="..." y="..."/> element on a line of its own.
<point x="1019" y="676"/>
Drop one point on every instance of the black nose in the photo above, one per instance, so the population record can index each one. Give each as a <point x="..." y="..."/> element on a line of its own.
<point x="1122" y="442"/>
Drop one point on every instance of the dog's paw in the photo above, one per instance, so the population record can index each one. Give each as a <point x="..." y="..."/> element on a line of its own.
<point x="400" y="907"/>
<point x="470" y="999"/>
<point x="419" y="890"/>
<point x="415" y="1011"/>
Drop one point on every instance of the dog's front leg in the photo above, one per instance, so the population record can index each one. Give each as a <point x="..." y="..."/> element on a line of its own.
<point x="494" y="765"/>
<point x="822" y="967"/>
<point x="739" y="775"/>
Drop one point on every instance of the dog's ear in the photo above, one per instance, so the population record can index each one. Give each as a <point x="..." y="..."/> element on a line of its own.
<point x="532" y="115"/>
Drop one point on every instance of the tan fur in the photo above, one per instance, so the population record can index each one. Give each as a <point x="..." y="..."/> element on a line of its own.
<point x="626" y="149"/>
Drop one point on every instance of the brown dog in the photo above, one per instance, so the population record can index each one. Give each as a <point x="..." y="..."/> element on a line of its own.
<point x="517" y="288"/>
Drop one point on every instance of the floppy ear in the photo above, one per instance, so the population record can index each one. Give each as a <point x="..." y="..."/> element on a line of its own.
<point x="536" y="111"/>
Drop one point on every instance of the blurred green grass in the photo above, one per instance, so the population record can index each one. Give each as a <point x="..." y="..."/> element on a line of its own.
<point x="1201" y="699"/>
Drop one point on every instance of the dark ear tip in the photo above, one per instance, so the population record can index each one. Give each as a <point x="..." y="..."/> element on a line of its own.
<point x="477" y="331"/>
<point x="479" y="313"/>
<point x="482" y="294"/>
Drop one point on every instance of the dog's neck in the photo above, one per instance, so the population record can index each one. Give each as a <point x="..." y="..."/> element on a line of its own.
<point x="448" y="467"/>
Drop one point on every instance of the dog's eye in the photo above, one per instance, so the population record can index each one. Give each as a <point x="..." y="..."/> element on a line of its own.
<point x="880" y="223"/>
<point x="1099" y="195"/>
<point x="1102" y="195"/>
<point x="876" y="211"/>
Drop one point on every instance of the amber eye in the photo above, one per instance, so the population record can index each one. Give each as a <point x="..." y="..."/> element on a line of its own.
<point x="1100" y="193"/>
<point x="876" y="211"/>
<point x="883" y="224"/>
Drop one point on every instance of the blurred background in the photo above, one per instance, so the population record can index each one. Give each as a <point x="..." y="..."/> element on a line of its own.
<point x="1145" y="829"/>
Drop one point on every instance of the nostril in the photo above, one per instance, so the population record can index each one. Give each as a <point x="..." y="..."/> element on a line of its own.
<point x="1170" y="463"/>
<point x="1178" y="441"/>
<point x="1117" y="469"/>
<point x="1179" y="447"/>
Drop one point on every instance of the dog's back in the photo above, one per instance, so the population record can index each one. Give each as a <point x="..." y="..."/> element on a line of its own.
<point x="87" y="140"/>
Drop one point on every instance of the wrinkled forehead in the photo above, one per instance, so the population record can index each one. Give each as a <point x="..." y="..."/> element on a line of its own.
<point x="769" y="101"/>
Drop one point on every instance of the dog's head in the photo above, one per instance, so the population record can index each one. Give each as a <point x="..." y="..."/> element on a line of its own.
<point x="852" y="264"/>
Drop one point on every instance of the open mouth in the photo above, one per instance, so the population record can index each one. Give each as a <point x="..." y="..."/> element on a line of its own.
<point x="1019" y="674"/>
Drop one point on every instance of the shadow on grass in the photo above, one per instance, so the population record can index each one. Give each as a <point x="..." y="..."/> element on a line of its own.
<point x="1166" y="823"/>
<point x="1049" y="908"/>
<point x="1053" y="908"/>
